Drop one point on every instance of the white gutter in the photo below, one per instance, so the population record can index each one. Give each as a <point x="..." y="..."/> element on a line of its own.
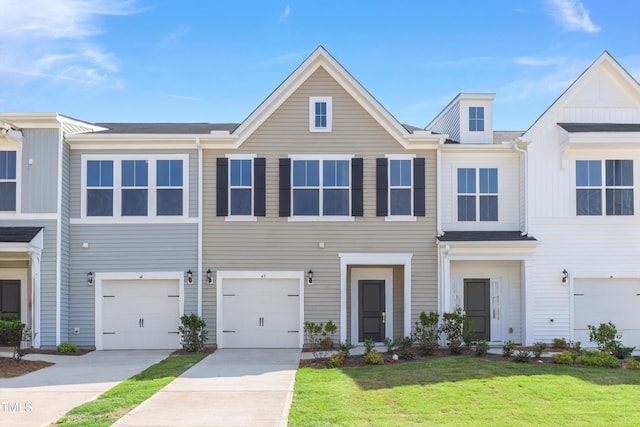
<point x="526" y="186"/>
<point x="59" y="237"/>
<point x="200" y="203"/>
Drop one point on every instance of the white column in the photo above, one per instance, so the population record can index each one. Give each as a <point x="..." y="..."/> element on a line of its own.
<point x="35" y="298"/>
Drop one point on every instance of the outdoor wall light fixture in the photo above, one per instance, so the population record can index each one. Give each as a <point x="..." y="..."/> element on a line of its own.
<point x="90" y="278"/>
<point x="565" y="276"/>
<point x="310" y="277"/>
<point x="189" y="277"/>
<point x="209" y="277"/>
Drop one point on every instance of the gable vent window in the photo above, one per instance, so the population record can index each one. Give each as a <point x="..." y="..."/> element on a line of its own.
<point x="320" y="113"/>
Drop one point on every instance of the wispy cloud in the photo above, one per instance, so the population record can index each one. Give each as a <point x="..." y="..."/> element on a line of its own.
<point x="572" y="15"/>
<point x="287" y="57"/>
<point x="285" y="13"/>
<point x="539" y="61"/>
<point x="53" y="40"/>
<point x="173" y="37"/>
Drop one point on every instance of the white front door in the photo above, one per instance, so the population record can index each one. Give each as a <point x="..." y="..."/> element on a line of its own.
<point x="140" y="314"/>
<point x="260" y="313"/>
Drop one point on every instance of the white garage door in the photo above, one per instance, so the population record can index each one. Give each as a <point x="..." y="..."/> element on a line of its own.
<point x="140" y="314"/>
<point x="602" y="300"/>
<point x="260" y="313"/>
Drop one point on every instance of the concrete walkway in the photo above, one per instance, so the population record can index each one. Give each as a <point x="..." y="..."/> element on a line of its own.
<point x="42" y="397"/>
<point x="247" y="387"/>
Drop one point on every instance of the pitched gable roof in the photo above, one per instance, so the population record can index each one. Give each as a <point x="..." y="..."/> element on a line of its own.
<point x="604" y="59"/>
<point x="321" y="58"/>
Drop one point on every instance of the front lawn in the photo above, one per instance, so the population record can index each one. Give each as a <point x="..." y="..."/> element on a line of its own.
<point x="465" y="391"/>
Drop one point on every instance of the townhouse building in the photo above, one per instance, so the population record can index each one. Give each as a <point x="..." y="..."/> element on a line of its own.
<point x="321" y="206"/>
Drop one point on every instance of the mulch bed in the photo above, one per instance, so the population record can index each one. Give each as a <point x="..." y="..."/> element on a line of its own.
<point x="358" y="360"/>
<point x="80" y="351"/>
<point x="11" y="368"/>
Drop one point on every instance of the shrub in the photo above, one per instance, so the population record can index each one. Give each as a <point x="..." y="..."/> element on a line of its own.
<point x="538" y="348"/>
<point x="622" y="352"/>
<point x="336" y="360"/>
<point x="368" y="345"/>
<point x="67" y="347"/>
<point x="605" y="336"/>
<point x="482" y="347"/>
<point x="426" y="332"/>
<point x="633" y="364"/>
<point x="467" y="333"/>
<point x="389" y="344"/>
<point x="453" y="329"/>
<point x="405" y="348"/>
<point x="373" y="358"/>
<point x="564" y="358"/>
<point x="319" y="337"/>
<point x="507" y="348"/>
<point x="522" y="356"/>
<point x="11" y="333"/>
<point x="8" y="317"/>
<point x="560" y="343"/>
<point x="601" y="359"/>
<point x="345" y="348"/>
<point x="193" y="332"/>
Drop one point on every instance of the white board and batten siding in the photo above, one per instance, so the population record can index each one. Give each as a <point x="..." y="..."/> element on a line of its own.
<point x="138" y="311"/>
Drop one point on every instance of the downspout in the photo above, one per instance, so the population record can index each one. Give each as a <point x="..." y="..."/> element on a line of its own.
<point x="438" y="190"/>
<point x="200" y="202"/>
<point x="59" y="235"/>
<point x="526" y="185"/>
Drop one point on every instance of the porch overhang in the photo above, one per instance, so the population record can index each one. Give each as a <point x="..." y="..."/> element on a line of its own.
<point x="486" y="245"/>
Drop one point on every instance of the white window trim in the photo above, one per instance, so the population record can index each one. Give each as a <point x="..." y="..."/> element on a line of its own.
<point x="312" y="113"/>
<point x="10" y="145"/>
<point x="320" y="217"/>
<point x="151" y="216"/>
<point x="399" y="218"/>
<point x="477" y="194"/>
<point x="252" y="217"/>
<point x="603" y="188"/>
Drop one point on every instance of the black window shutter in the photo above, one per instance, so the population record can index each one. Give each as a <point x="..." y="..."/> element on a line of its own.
<point x="418" y="186"/>
<point x="285" y="187"/>
<point x="259" y="193"/>
<point x="357" y="196"/>
<point x="382" y="187"/>
<point x="222" y="186"/>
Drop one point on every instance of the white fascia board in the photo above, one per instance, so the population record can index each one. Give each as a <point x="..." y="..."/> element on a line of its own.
<point x="32" y="120"/>
<point x="477" y="96"/>
<point x="476" y="147"/>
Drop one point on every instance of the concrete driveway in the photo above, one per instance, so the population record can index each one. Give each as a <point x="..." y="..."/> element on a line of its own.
<point x="248" y="387"/>
<point x="42" y="397"/>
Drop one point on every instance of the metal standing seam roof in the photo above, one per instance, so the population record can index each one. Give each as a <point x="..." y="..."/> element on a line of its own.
<point x="18" y="234"/>
<point x="484" y="236"/>
<point x="600" y="127"/>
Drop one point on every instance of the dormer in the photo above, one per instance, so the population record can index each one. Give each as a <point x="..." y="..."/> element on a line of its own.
<point x="468" y="119"/>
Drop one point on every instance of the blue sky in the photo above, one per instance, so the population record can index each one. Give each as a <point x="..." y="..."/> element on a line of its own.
<point x="215" y="61"/>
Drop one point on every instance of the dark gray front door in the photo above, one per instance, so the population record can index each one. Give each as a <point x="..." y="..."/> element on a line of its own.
<point x="371" y="306"/>
<point x="10" y="297"/>
<point x="477" y="306"/>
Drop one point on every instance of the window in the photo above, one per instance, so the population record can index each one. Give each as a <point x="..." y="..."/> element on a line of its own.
<point x="8" y="182"/>
<point x="477" y="201"/>
<point x="618" y="187"/>
<point x="241" y="186"/>
<point x="321" y="187"/>
<point x="320" y="113"/>
<point x="135" y="177"/>
<point x="169" y="197"/>
<point x="400" y="184"/>
<point x="134" y="186"/>
<point x="476" y="119"/>
<point x="100" y="188"/>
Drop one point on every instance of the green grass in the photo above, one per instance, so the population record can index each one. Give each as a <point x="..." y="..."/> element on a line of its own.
<point x="116" y="402"/>
<point x="465" y="391"/>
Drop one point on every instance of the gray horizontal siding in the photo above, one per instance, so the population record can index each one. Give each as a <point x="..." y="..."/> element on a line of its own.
<point x="273" y="243"/>
<point x="39" y="180"/>
<point x="126" y="248"/>
<point x="76" y="168"/>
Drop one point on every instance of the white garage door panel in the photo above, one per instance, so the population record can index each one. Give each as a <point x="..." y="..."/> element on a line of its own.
<point x="140" y="314"/>
<point x="599" y="301"/>
<point x="261" y="313"/>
